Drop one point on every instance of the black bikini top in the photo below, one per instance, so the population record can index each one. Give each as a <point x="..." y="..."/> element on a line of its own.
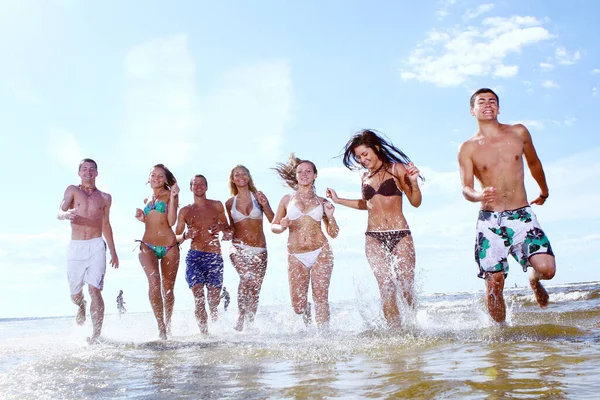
<point x="387" y="188"/>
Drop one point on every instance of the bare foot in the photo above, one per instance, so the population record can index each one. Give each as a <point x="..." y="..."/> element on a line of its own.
<point x="541" y="296"/>
<point x="93" y="340"/>
<point x="239" y="325"/>
<point x="162" y="334"/>
<point x="80" y="318"/>
<point x="307" y="317"/>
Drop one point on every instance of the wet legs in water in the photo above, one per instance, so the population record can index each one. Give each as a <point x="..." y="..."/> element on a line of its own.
<point x="393" y="271"/>
<point x="320" y="275"/>
<point x="162" y="298"/>
<point x="213" y="294"/>
<point x="252" y="272"/>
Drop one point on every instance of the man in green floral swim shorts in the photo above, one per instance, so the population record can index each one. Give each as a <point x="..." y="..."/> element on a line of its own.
<point x="506" y="223"/>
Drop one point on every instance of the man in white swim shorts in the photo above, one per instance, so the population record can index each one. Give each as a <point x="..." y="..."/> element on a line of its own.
<point x="88" y="210"/>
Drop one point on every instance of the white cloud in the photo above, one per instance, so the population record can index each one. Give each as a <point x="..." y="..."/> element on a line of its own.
<point x="550" y="84"/>
<point x="160" y="101"/>
<point x="546" y="66"/>
<point x="452" y="57"/>
<point x="506" y="71"/>
<point x="570" y="121"/>
<point x="65" y="148"/>
<point x="564" y="58"/>
<point x="445" y="5"/>
<point x="529" y="123"/>
<point x="21" y="92"/>
<point x="595" y="91"/>
<point x="475" y="12"/>
<point x="596" y="71"/>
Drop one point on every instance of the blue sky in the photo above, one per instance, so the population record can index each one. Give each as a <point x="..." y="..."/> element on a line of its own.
<point x="202" y="86"/>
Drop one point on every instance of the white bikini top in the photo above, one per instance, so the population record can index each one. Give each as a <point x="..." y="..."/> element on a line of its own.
<point x="255" y="213"/>
<point x="294" y="212"/>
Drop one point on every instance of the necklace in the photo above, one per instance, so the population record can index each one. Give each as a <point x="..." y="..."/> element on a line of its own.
<point x="86" y="189"/>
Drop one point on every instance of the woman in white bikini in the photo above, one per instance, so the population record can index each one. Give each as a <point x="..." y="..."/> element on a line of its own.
<point x="389" y="245"/>
<point x="248" y="247"/>
<point x="310" y="257"/>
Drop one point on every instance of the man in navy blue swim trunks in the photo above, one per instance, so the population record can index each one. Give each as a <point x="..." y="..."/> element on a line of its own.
<point x="204" y="219"/>
<point x="506" y="224"/>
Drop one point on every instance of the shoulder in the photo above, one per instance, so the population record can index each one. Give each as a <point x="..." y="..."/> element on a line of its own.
<point x="72" y="189"/>
<point x="285" y="199"/>
<point x="217" y="204"/>
<point x="517" y="129"/>
<point x="229" y="202"/>
<point x="467" y="147"/>
<point x="106" y="197"/>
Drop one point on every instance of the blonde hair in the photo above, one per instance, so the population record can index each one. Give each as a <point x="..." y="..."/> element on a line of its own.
<point x="233" y="188"/>
<point x="287" y="171"/>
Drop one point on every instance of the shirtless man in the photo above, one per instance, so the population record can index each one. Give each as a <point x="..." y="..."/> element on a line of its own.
<point x="506" y="223"/>
<point x="88" y="210"/>
<point x="204" y="220"/>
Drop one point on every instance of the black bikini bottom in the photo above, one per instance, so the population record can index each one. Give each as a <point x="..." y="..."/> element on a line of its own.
<point x="389" y="239"/>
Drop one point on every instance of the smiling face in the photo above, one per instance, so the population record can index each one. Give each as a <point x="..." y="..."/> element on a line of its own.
<point x="485" y="107"/>
<point x="240" y="177"/>
<point x="305" y="174"/>
<point x="88" y="173"/>
<point x="198" y="186"/>
<point x="158" y="178"/>
<point x="367" y="157"/>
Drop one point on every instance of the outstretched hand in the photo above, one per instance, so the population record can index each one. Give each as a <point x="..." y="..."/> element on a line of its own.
<point x="139" y="214"/>
<point x="331" y="194"/>
<point x="262" y="199"/>
<point x="488" y="195"/>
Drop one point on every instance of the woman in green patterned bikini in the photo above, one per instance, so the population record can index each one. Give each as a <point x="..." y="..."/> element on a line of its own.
<point x="159" y="253"/>
<point x="389" y="245"/>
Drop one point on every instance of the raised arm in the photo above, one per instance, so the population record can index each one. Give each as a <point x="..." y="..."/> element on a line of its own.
<point x="330" y="223"/>
<point x="534" y="164"/>
<point x="180" y="228"/>
<point x="280" y="222"/>
<point x="66" y="204"/>
<point x="264" y="204"/>
<point x="359" y="204"/>
<point x="108" y="233"/>
<point x="173" y="205"/>
<point x="408" y="177"/>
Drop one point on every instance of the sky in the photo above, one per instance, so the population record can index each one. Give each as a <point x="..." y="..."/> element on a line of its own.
<point x="202" y="86"/>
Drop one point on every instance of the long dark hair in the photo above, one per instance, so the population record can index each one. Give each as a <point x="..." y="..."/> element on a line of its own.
<point x="169" y="175"/>
<point x="287" y="171"/>
<point x="384" y="149"/>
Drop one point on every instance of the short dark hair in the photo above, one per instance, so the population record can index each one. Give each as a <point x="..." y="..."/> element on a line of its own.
<point x="88" y="160"/>
<point x="483" y="90"/>
<point x="198" y="176"/>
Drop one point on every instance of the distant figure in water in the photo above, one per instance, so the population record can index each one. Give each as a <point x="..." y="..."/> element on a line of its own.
<point x="88" y="210"/>
<point x="225" y="296"/>
<point x="121" y="303"/>
<point x="506" y="223"/>
<point x="310" y="259"/>
<point x="248" y="251"/>
<point x="389" y="245"/>
<point x="159" y="250"/>
<point x="204" y="219"/>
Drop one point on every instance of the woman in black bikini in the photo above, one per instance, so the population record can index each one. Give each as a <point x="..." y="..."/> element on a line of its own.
<point x="389" y="245"/>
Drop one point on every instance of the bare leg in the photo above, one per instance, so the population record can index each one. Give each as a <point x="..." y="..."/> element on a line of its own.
<point x="214" y="298"/>
<point x="79" y="301"/>
<point x="378" y="258"/>
<point x="544" y="267"/>
<point x="169" y="266"/>
<point x="320" y="279"/>
<point x="252" y="272"/>
<point x="201" y="316"/>
<point x="150" y="264"/>
<point x="402" y="261"/>
<point x="494" y="287"/>
<point x="299" y="278"/>
<point x="96" y="312"/>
